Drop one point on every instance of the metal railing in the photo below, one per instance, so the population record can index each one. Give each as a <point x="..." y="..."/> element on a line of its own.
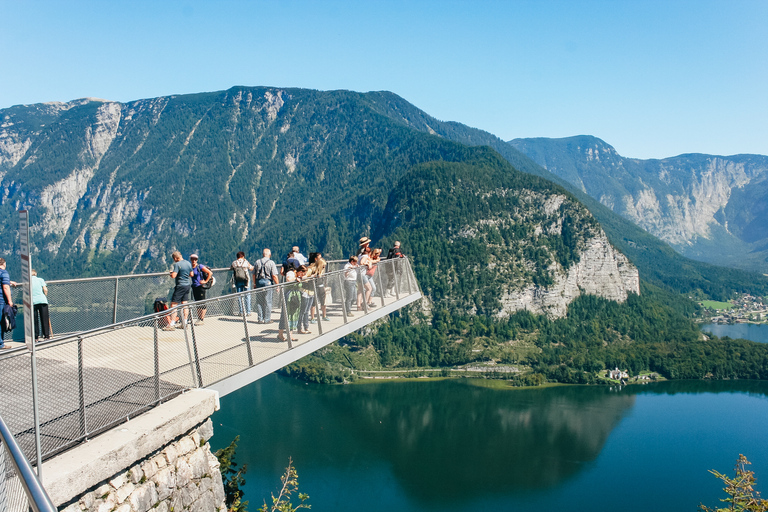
<point x="95" y="379"/>
<point x="87" y="303"/>
<point x="20" y="489"/>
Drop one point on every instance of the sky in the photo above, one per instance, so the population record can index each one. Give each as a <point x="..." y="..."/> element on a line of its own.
<point x="652" y="78"/>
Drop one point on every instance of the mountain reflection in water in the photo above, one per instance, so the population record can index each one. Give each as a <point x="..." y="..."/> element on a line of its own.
<point x="443" y="440"/>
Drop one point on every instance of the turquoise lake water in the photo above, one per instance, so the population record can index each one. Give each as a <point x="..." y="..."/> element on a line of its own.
<point x="452" y="446"/>
<point x="754" y="332"/>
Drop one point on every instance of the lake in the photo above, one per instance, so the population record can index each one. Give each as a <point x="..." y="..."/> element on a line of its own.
<point x="454" y="446"/>
<point x="754" y="332"/>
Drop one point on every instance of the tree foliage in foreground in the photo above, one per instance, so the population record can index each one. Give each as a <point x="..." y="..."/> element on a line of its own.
<point x="740" y="489"/>
<point x="290" y="485"/>
<point x="233" y="477"/>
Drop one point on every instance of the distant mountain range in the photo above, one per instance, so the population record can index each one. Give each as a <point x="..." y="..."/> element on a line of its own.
<point x="710" y="208"/>
<point x="116" y="187"/>
<point x="493" y="236"/>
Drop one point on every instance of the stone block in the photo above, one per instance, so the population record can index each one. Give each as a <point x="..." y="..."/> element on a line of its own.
<point x="144" y="498"/>
<point x="199" y="463"/>
<point x="218" y="488"/>
<point x="165" y="482"/>
<point x="204" y="503"/>
<point x="162" y="507"/>
<point x="160" y="460"/>
<point x="189" y="495"/>
<point x="196" y="438"/>
<point x="107" y="504"/>
<point x="206" y="430"/>
<point x="101" y="491"/>
<point x="135" y="474"/>
<point x="186" y="445"/>
<point x="124" y="492"/>
<point x="87" y="499"/>
<point x="118" y="481"/>
<point x="149" y="468"/>
<point x="125" y="507"/>
<point x="183" y="473"/>
<point x="171" y="453"/>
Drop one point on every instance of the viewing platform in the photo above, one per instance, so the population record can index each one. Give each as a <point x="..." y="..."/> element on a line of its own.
<point x="91" y="380"/>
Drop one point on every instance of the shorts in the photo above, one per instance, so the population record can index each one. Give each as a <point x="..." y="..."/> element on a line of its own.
<point x="180" y="294"/>
<point x="198" y="292"/>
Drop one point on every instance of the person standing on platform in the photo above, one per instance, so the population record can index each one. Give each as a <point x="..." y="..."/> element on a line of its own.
<point x="200" y="275"/>
<point x="300" y="257"/>
<point x="241" y="275"/>
<point x="350" y="284"/>
<point x="5" y="296"/>
<point x="180" y="273"/>
<point x="264" y="275"/>
<point x="393" y="269"/>
<point x="40" y="306"/>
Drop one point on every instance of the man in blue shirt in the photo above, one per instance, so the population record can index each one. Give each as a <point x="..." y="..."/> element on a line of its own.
<point x="5" y="295"/>
<point x="181" y="273"/>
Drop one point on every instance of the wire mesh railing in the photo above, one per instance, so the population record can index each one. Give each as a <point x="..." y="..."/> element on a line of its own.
<point x="20" y="488"/>
<point x="92" y="380"/>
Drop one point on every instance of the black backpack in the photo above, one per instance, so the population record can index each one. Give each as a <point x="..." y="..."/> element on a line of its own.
<point x="241" y="275"/>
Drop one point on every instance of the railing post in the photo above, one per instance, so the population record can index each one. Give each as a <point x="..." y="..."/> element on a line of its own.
<point x="284" y="314"/>
<point x="342" y="285"/>
<point x="194" y="349"/>
<point x="396" y="265"/>
<point x="114" y="303"/>
<point x="81" y="388"/>
<point x="317" y="306"/>
<point x="157" y="362"/>
<point x="381" y="289"/>
<point x="409" y="273"/>
<point x="245" y="328"/>
<point x="361" y="284"/>
<point x="180" y="312"/>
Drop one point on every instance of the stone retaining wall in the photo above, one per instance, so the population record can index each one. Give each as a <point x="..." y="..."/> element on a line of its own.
<point x="182" y="476"/>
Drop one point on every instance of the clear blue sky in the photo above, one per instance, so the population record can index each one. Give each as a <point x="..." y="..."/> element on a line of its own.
<point x="652" y="78"/>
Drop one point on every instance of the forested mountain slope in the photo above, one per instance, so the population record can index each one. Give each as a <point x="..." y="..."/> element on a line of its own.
<point x="711" y="208"/>
<point x="657" y="261"/>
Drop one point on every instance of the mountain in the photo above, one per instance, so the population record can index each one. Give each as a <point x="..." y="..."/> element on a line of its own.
<point x="709" y="208"/>
<point x="116" y="187"/>
<point x="514" y="267"/>
<point x="657" y="261"/>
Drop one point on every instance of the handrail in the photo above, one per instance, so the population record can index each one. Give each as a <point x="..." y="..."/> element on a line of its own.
<point x="114" y="372"/>
<point x="111" y="327"/>
<point x="150" y="274"/>
<point x="37" y="498"/>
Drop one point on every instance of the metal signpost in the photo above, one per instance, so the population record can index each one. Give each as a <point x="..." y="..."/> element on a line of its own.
<point x="29" y="329"/>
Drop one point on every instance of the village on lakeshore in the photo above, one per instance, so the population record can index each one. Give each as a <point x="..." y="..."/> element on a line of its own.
<point x="742" y="310"/>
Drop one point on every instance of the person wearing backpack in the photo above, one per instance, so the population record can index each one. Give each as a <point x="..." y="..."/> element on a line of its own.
<point x="241" y="271"/>
<point x="264" y="276"/>
<point x="201" y="281"/>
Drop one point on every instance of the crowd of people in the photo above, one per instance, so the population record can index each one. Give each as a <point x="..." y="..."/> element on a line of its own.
<point x="304" y="296"/>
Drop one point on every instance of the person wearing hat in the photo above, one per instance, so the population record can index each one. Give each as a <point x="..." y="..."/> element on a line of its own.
<point x="200" y="275"/>
<point x="364" y="243"/>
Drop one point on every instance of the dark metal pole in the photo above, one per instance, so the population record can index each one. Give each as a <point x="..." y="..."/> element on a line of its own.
<point x="114" y="303"/>
<point x="194" y="349"/>
<point x="245" y="327"/>
<point x="81" y="387"/>
<point x="157" y="362"/>
<point x="317" y="306"/>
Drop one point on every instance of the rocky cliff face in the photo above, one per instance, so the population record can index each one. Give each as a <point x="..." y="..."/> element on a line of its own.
<point x="601" y="271"/>
<point x="707" y="207"/>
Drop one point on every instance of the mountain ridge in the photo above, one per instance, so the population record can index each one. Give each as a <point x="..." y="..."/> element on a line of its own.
<point x="708" y="207"/>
